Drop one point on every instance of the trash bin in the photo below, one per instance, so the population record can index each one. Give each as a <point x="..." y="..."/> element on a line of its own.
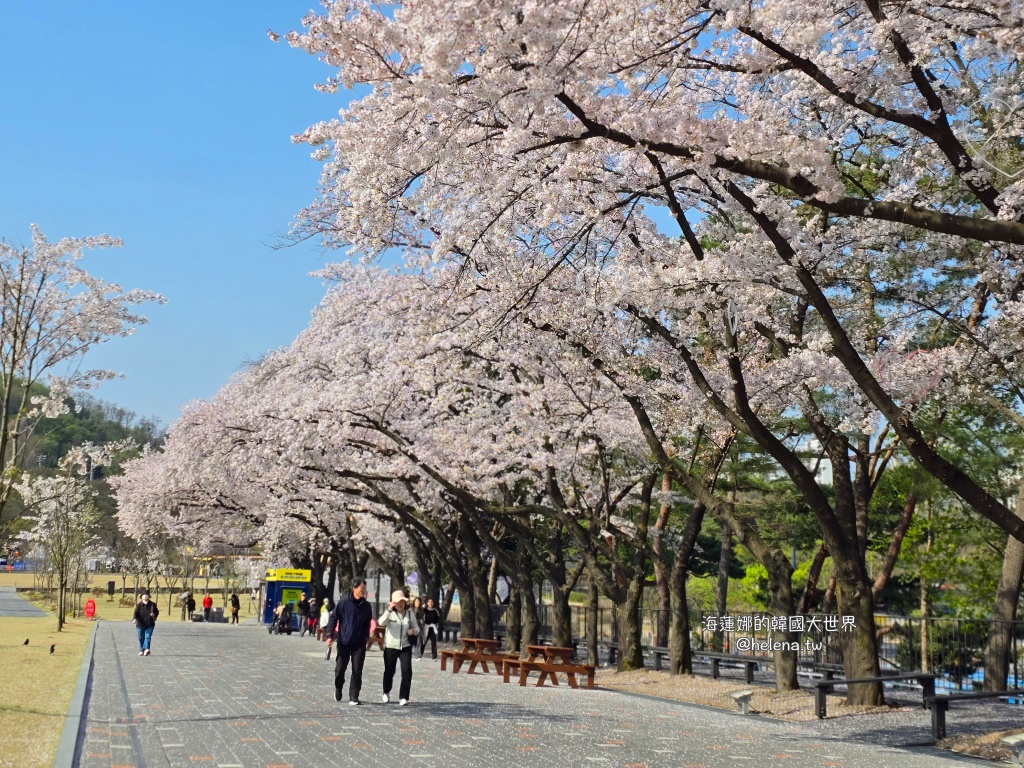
<point x="110" y="588"/>
<point x="218" y="616"/>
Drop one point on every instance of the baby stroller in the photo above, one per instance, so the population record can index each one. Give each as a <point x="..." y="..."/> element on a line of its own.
<point x="283" y="623"/>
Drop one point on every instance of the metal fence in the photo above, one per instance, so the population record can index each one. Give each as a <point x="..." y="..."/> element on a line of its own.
<point x="952" y="648"/>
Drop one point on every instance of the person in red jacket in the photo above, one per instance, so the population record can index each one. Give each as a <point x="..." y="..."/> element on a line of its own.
<point x="207" y="606"/>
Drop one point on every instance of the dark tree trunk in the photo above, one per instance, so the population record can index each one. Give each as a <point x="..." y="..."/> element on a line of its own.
<point x="895" y="545"/>
<point x="592" y="615"/>
<point x="661" y="570"/>
<point x="514" y="623"/>
<point x="482" y="606"/>
<point x="492" y="582"/>
<point x="811" y="588"/>
<point x="722" y="590"/>
<point x="332" y="578"/>
<point x="476" y="571"/>
<point x="1004" y="611"/>
<point x="529" y="605"/>
<point x="860" y="646"/>
<point x="681" y="660"/>
<point x="62" y="585"/>
<point x="780" y="585"/>
<point x="829" y="603"/>
<point x="561" y="625"/>
<point x="446" y="604"/>
<point x="628" y="613"/>
<point x="467" y="613"/>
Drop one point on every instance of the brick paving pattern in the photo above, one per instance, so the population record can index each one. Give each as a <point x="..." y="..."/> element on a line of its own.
<point x="234" y="697"/>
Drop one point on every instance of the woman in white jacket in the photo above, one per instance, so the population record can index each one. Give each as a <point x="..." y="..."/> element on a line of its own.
<point x="400" y="631"/>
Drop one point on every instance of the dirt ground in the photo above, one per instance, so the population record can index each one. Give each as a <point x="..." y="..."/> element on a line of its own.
<point x="986" y="746"/>
<point x="791" y="705"/>
<point x="794" y="705"/>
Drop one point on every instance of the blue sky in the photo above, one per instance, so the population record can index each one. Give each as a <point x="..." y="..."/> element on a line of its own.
<point x="168" y="125"/>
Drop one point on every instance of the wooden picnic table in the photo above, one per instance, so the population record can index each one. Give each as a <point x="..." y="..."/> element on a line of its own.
<point x="376" y="638"/>
<point x="549" y="660"/>
<point x="477" y="651"/>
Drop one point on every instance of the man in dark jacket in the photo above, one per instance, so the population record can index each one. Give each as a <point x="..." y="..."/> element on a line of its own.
<point x="302" y="607"/>
<point x="349" y="627"/>
<point x="144" y="620"/>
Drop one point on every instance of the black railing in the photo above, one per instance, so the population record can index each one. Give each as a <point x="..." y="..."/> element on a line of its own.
<point x="954" y="648"/>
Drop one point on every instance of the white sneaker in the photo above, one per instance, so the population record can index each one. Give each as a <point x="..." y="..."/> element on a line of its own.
<point x="142" y="653"/>
<point x="353" y="703"/>
<point x="402" y="702"/>
<point x="385" y="698"/>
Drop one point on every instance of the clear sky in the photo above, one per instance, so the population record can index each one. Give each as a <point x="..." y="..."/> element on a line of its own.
<point x="168" y="125"/>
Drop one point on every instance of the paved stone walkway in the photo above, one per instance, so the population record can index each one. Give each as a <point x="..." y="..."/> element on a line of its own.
<point x="233" y="696"/>
<point x="14" y="605"/>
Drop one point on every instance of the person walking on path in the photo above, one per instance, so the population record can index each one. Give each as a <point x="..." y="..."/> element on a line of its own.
<point x="324" y="618"/>
<point x="349" y="625"/>
<point x="428" y="629"/>
<point x="302" y="608"/>
<point x="207" y="606"/>
<point x="400" y="631"/>
<point x="190" y="603"/>
<point x="417" y="609"/>
<point x="144" y="620"/>
<point x="235" y="608"/>
<point x="314" y="617"/>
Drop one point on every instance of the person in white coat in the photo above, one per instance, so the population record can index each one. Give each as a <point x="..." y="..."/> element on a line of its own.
<point x="400" y="632"/>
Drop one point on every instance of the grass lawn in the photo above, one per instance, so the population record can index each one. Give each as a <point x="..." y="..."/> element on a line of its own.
<point x="36" y="686"/>
<point x="25" y="580"/>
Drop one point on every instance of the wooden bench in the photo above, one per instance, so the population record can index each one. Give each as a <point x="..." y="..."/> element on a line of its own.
<point x="824" y="687"/>
<point x="556" y="660"/>
<point x="828" y="670"/>
<point x="940" y="704"/>
<point x="659" y="654"/>
<point x="748" y="662"/>
<point x="449" y="632"/>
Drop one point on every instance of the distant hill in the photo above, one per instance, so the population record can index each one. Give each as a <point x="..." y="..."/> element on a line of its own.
<point x="89" y="420"/>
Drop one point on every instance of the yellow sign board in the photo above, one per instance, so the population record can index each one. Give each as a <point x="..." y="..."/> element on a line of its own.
<point x="289" y="574"/>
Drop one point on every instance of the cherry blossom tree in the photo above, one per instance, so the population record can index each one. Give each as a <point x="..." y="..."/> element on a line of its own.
<point x="63" y="513"/>
<point x="828" y="170"/>
<point x="52" y="312"/>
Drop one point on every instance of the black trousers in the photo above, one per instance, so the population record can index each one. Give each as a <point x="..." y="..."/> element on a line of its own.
<point x="392" y="657"/>
<point x="355" y="653"/>
<point x="429" y="631"/>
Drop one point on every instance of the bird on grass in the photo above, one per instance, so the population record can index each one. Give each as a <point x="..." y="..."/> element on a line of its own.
<point x="26" y="641"/>
<point x="52" y="647"/>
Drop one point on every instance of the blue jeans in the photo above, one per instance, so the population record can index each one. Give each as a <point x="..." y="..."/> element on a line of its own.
<point x="145" y="634"/>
